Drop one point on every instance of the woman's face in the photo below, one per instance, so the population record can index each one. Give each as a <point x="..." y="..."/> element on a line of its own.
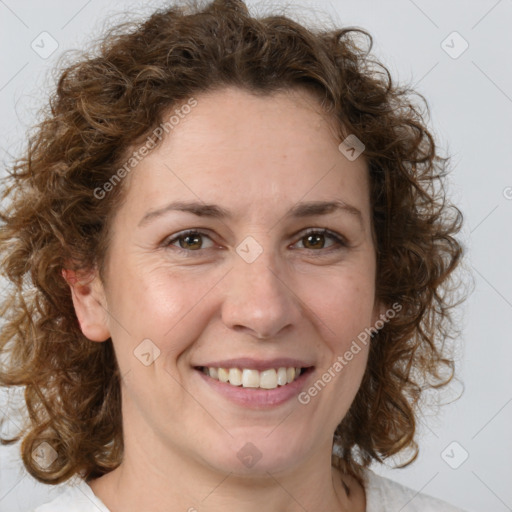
<point x="249" y="283"/>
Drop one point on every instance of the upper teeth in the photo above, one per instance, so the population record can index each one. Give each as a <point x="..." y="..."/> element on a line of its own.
<point x="249" y="378"/>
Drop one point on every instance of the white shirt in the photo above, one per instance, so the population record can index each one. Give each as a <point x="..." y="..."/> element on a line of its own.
<point x="382" y="495"/>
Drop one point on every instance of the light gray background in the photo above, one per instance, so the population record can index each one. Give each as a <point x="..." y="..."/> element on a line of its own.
<point x="471" y="105"/>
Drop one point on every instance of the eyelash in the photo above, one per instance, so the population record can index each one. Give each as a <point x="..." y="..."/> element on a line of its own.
<point x="342" y="243"/>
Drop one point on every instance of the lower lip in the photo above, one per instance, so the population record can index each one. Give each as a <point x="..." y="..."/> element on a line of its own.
<point x="257" y="398"/>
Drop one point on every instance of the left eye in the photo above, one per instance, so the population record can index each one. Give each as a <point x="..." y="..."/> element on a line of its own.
<point x="191" y="240"/>
<point x="318" y="236"/>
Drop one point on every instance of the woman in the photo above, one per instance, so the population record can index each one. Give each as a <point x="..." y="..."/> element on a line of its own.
<point x="228" y="244"/>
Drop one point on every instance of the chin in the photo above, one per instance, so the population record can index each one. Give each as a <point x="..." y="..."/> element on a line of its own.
<point x="256" y="455"/>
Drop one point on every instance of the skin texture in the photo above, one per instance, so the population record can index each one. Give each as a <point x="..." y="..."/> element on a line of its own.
<point x="257" y="157"/>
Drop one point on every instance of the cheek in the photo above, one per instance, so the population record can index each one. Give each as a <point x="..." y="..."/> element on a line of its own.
<point x="344" y="312"/>
<point x="161" y="304"/>
<point x="343" y="303"/>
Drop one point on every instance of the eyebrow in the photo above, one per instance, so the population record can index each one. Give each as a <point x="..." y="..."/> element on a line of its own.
<point x="300" y="210"/>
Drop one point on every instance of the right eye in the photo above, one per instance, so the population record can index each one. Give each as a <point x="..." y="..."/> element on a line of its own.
<point x="189" y="241"/>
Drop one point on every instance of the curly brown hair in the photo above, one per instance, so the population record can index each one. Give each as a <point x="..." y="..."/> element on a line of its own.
<point x="104" y="104"/>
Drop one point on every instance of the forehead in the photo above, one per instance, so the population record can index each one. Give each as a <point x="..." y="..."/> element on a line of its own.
<point x="238" y="149"/>
<point x="287" y="124"/>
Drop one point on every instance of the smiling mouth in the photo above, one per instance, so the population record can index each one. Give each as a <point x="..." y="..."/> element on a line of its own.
<point x="249" y="378"/>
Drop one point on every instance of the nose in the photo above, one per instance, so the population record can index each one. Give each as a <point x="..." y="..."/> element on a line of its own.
<point x="258" y="300"/>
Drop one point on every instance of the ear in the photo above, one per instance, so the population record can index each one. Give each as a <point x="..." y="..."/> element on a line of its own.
<point x="384" y="312"/>
<point x="90" y="304"/>
<point x="379" y="311"/>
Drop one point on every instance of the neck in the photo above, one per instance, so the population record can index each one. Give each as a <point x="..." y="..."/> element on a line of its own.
<point x="180" y="483"/>
<point x="158" y="475"/>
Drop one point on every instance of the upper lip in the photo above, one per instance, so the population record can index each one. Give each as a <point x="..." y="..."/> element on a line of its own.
<point x="258" y="364"/>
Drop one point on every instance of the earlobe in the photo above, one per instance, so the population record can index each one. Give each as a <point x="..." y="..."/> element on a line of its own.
<point x="90" y="305"/>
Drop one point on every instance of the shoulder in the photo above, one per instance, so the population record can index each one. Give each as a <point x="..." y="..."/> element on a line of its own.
<point x="383" y="494"/>
<point x="76" y="496"/>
